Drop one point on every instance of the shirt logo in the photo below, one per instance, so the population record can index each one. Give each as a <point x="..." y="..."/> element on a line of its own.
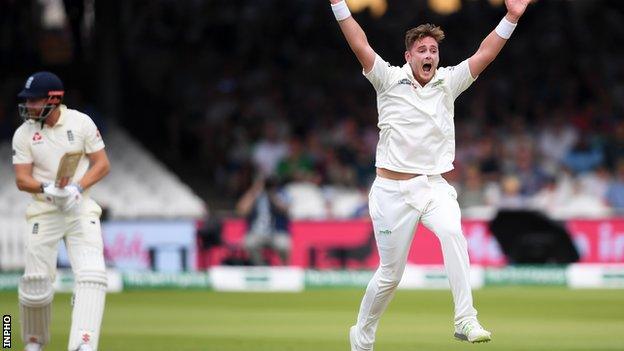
<point x="385" y="232"/>
<point x="14" y="152"/>
<point x="70" y="136"/>
<point x="406" y="81"/>
<point x="35" y="228"/>
<point x="37" y="136"/>
<point x="438" y="82"/>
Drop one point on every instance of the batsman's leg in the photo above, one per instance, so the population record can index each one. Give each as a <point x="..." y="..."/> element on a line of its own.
<point x="85" y="249"/>
<point x="394" y="222"/>
<point x="35" y="297"/>
<point x="35" y="292"/>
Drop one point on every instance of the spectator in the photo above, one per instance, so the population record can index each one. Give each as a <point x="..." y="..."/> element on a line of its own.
<point x="269" y="150"/>
<point x="298" y="164"/>
<point x="615" y="192"/>
<point x="585" y="156"/>
<point x="265" y="208"/>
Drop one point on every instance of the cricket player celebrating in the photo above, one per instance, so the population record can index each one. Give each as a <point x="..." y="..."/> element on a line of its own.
<point x="416" y="145"/>
<point x="61" y="209"/>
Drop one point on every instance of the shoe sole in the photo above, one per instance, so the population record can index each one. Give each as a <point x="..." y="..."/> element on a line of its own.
<point x="462" y="337"/>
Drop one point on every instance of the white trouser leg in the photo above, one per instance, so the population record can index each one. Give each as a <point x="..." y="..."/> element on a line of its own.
<point x="254" y="243"/>
<point x="85" y="249"/>
<point x="394" y="223"/>
<point x="443" y="217"/>
<point x="35" y="289"/>
<point x="281" y="243"/>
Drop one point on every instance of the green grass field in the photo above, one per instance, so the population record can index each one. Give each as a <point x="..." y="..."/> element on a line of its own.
<point x="524" y="318"/>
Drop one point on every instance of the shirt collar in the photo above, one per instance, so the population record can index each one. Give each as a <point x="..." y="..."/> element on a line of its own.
<point x="410" y="74"/>
<point x="61" y="119"/>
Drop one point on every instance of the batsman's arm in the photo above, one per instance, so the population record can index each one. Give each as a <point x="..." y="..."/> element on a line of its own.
<point x="99" y="166"/>
<point x="25" y="180"/>
<point x="492" y="45"/>
<point x="356" y="38"/>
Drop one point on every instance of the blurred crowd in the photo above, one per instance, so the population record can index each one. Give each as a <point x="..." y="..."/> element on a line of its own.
<point x="229" y="91"/>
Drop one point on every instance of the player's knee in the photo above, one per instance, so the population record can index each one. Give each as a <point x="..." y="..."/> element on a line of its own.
<point x="35" y="290"/>
<point x="92" y="279"/>
<point x="389" y="279"/>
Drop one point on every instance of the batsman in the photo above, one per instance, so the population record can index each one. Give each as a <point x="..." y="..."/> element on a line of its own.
<point x="58" y="154"/>
<point x="416" y="146"/>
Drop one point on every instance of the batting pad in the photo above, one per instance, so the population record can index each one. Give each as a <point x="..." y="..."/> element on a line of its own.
<point x="35" y="295"/>
<point x="89" y="297"/>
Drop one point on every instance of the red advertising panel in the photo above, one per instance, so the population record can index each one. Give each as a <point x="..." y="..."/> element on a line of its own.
<point x="333" y="244"/>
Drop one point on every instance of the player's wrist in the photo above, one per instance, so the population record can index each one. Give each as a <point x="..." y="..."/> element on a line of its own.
<point x="505" y="28"/>
<point x="78" y="186"/>
<point x="42" y="186"/>
<point x="512" y="18"/>
<point x="340" y="10"/>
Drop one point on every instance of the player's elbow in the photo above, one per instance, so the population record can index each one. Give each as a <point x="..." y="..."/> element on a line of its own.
<point x="21" y="184"/>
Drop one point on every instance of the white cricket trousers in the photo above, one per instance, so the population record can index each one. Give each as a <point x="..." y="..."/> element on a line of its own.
<point x="396" y="207"/>
<point x="81" y="231"/>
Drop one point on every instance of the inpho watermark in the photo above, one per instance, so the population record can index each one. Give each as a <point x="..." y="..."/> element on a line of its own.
<point x="6" y="331"/>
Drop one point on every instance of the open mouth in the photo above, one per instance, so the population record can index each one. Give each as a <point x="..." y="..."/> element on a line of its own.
<point x="427" y="67"/>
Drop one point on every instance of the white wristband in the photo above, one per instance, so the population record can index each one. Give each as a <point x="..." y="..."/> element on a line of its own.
<point x="505" y="28"/>
<point x="341" y="11"/>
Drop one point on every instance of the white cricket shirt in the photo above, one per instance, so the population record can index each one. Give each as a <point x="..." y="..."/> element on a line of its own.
<point x="44" y="146"/>
<point x="417" y="131"/>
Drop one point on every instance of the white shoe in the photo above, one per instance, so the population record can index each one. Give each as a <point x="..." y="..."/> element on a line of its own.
<point x="472" y="331"/>
<point x="85" y="347"/>
<point x="32" y="346"/>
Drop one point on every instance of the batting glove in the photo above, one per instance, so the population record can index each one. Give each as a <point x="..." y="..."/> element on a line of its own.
<point x="54" y="195"/>
<point x="73" y="200"/>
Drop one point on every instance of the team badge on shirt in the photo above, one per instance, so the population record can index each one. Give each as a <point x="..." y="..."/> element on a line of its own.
<point x="70" y="136"/>
<point x="37" y="138"/>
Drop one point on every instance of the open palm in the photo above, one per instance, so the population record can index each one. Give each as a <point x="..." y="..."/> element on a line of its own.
<point x="517" y="7"/>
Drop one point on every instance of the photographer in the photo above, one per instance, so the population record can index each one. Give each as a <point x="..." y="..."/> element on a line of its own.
<point x="266" y="209"/>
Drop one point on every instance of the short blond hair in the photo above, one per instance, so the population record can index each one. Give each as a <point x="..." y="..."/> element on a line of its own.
<point x="424" y="30"/>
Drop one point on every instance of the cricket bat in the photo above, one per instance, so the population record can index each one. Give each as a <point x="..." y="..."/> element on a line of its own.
<point x="67" y="168"/>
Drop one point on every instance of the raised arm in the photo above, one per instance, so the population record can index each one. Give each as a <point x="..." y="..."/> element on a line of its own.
<point x="494" y="42"/>
<point x="354" y="34"/>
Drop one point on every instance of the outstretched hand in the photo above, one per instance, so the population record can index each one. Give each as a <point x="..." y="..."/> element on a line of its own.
<point x="515" y="8"/>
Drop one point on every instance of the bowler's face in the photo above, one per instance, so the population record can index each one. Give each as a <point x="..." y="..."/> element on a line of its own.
<point x="423" y="57"/>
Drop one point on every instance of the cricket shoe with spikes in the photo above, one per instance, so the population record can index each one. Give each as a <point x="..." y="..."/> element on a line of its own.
<point x="472" y="331"/>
